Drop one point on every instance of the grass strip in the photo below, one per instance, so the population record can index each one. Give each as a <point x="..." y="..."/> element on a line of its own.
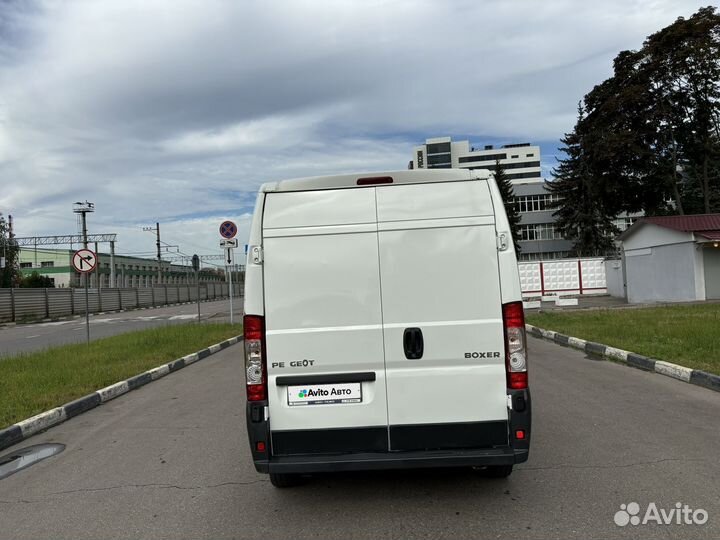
<point x="31" y="383"/>
<point x="686" y="335"/>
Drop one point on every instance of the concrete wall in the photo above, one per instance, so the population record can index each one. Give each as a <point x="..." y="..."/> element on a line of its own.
<point x="711" y="265"/>
<point x="661" y="273"/>
<point x="614" y="278"/>
<point x="562" y="276"/>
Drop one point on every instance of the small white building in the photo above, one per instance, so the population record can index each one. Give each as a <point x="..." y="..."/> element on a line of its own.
<point x="672" y="258"/>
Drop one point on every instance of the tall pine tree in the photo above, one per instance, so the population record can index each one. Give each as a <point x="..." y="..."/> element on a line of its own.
<point x="581" y="213"/>
<point x="508" y="196"/>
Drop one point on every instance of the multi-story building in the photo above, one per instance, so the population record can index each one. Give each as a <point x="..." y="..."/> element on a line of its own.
<point x="539" y="237"/>
<point x="129" y="271"/>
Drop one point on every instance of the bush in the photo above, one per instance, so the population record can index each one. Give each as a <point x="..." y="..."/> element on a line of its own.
<point x="36" y="281"/>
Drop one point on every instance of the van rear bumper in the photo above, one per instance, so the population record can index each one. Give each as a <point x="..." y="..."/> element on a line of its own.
<point x="484" y="449"/>
<point x="391" y="460"/>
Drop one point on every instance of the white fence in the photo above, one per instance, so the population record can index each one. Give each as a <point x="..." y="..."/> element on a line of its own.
<point x="29" y="304"/>
<point x="564" y="276"/>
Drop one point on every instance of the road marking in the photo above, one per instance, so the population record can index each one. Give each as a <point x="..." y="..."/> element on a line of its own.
<point x="182" y="317"/>
<point x="33" y="336"/>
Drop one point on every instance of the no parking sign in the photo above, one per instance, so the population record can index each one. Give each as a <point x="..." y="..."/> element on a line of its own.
<point x="228" y="229"/>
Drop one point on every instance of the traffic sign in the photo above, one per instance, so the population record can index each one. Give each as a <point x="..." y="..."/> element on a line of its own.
<point x="84" y="261"/>
<point x="229" y="256"/>
<point x="231" y="243"/>
<point x="228" y="229"/>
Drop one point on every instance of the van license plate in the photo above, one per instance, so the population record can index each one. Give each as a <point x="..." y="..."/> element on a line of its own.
<point x="324" y="394"/>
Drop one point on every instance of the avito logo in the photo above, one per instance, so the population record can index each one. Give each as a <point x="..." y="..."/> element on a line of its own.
<point x="682" y="514"/>
<point x="324" y="393"/>
<point x="315" y="393"/>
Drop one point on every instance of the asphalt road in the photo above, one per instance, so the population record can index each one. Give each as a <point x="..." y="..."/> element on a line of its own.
<point x="37" y="336"/>
<point x="171" y="461"/>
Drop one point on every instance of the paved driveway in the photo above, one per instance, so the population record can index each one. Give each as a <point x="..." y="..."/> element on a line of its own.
<point x="171" y="461"/>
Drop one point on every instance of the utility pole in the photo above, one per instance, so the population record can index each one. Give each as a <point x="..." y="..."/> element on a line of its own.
<point x="113" y="282"/>
<point x="156" y="230"/>
<point x="5" y="241"/>
<point x="196" y="269"/>
<point x="157" y="243"/>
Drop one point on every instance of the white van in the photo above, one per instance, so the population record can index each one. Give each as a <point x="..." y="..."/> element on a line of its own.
<point x="384" y="326"/>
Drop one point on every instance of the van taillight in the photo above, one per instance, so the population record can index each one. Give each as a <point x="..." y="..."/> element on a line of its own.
<point x="515" y="345"/>
<point x="255" y="362"/>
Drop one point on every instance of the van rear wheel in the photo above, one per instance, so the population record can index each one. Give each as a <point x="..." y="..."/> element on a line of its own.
<point x="498" y="471"/>
<point x="285" y="480"/>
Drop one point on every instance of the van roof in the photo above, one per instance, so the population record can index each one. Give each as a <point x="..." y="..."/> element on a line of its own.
<point x="417" y="176"/>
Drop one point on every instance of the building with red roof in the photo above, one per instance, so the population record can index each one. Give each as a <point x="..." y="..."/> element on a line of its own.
<point x="672" y="258"/>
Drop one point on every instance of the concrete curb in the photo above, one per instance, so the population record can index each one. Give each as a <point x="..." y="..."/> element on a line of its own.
<point x="40" y="422"/>
<point x="681" y="373"/>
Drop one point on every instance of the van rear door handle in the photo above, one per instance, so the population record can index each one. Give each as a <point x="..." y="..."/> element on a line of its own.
<point x="413" y="343"/>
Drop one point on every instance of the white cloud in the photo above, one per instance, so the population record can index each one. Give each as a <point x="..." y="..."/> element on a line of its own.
<point x="276" y="131"/>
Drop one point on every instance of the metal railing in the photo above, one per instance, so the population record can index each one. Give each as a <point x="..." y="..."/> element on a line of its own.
<point x="18" y="305"/>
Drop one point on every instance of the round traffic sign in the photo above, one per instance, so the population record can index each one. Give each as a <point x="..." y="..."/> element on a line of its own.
<point x="84" y="260"/>
<point x="228" y="229"/>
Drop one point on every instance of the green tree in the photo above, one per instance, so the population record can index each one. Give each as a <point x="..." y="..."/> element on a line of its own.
<point x="622" y="144"/>
<point x="686" y="57"/>
<point x="9" y="250"/>
<point x="508" y="196"/>
<point x="651" y="132"/>
<point x="36" y="281"/>
<point x="581" y="213"/>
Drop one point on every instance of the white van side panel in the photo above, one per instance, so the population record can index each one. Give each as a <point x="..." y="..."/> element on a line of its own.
<point x="439" y="273"/>
<point x="253" y="303"/>
<point x="507" y="260"/>
<point x="322" y="303"/>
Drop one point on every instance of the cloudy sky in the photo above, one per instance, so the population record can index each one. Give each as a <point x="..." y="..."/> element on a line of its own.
<point x="176" y="111"/>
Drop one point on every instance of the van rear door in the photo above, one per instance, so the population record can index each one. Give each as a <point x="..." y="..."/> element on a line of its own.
<point x="324" y="322"/>
<point x="442" y="316"/>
